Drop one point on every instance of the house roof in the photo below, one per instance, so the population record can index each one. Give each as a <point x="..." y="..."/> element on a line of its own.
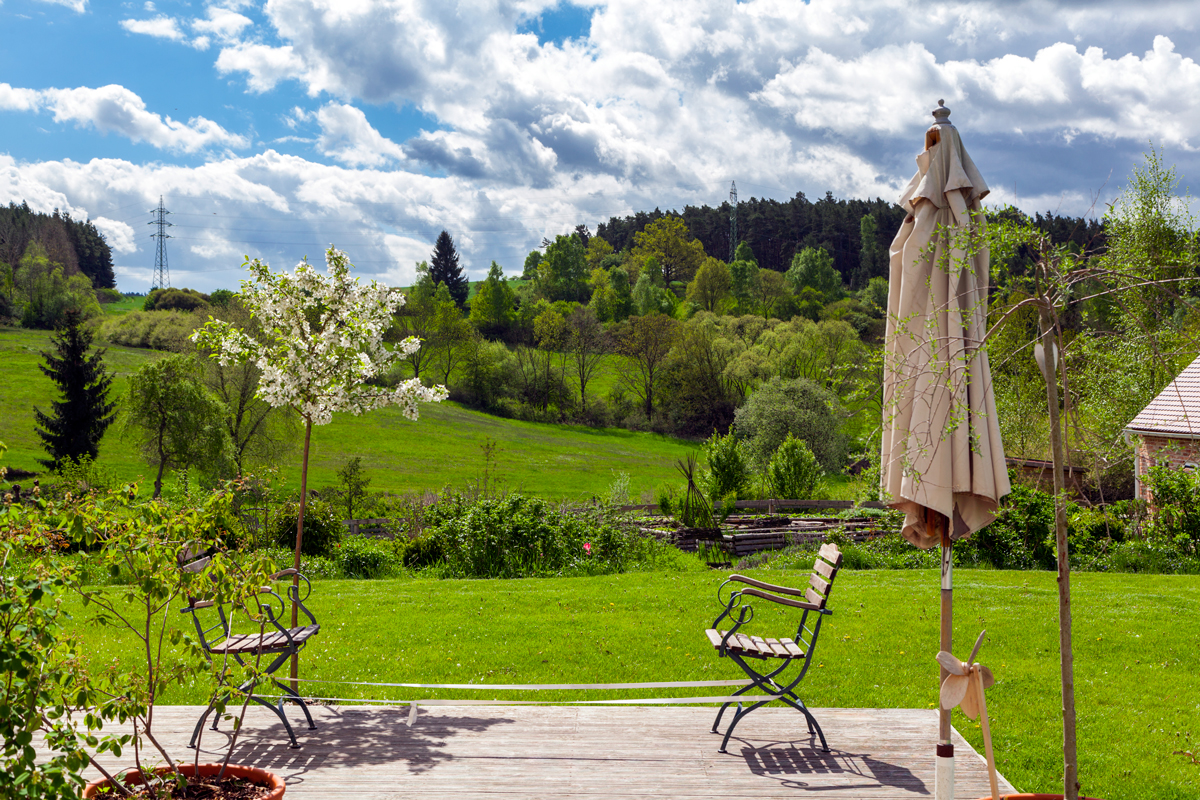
<point x="1176" y="410"/>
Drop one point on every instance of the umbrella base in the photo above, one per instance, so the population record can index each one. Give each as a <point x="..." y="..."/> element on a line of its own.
<point x="943" y="773"/>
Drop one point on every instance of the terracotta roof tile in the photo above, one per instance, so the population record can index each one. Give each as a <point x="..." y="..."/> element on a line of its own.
<point x="1176" y="410"/>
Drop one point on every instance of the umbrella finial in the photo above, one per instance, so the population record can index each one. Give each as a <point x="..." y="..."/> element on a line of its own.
<point x="941" y="114"/>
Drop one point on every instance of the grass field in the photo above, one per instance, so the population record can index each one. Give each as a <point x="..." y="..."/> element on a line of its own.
<point x="1135" y="654"/>
<point x="443" y="448"/>
<point x="124" y="306"/>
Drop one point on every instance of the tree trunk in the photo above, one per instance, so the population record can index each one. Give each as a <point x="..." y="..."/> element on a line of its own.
<point x="295" y="665"/>
<point x="1066" y="654"/>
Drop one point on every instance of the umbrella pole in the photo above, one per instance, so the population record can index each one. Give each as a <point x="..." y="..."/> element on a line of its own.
<point x="944" y="764"/>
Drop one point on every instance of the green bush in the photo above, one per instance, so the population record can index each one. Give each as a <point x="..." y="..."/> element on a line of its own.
<point x="1177" y="506"/>
<point x="798" y="407"/>
<point x="364" y="557"/>
<point x="728" y="469"/>
<point x="420" y="552"/>
<point x="793" y="473"/>
<point x="322" y="529"/>
<point x="518" y="536"/>
<point x="172" y="299"/>
<point x="1022" y="537"/>
<point x="158" y="330"/>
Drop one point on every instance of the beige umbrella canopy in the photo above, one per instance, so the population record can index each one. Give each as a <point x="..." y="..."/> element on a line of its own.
<point x="941" y="442"/>
<point x="941" y="461"/>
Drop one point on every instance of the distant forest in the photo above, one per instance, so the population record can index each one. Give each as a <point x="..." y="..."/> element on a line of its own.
<point x="74" y="244"/>
<point x="777" y="230"/>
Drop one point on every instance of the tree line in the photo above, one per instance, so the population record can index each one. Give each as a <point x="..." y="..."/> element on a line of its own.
<point x="49" y="264"/>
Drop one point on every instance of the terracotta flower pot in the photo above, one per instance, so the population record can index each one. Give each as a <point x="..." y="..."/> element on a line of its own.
<point x="253" y="774"/>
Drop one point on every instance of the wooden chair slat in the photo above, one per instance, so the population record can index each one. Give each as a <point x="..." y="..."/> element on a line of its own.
<point x="825" y="569"/>
<point x="817" y="599"/>
<point x="830" y="553"/>
<point x="791" y="648"/>
<point x="819" y="583"/>
<point x="778" y="648"/>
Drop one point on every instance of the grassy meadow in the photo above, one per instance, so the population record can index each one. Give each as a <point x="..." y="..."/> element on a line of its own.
<point x="1135" y="654"/>
<point x="442" y="448"/>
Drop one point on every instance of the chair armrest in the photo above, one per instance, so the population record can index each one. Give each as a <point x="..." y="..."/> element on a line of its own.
<point x="196" y="606"/>
<point x="807" y="606"/>
<point x="286" y="573"/>
<point x="770" y="587"/>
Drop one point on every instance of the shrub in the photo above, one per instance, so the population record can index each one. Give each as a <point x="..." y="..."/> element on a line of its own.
<point x="798" y="407"/>
<point x="364" y="557"/>
<point x="1022" y="537"/>
<point x="175" y="300"/>
<point x="322" y="529"/>
<point x="1177" y="505"/>
<point x="728" y="470"/>
<point x="793" y="473"/>
<point x="420" y="552"/>
<point x="159" y="330"/>
<point x="518" y="536"/>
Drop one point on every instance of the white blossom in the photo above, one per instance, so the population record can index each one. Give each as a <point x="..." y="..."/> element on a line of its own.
<point x="322" y="340"/>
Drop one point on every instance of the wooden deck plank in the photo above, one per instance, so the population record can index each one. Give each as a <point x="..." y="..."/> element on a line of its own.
<point x="587" y="752"/>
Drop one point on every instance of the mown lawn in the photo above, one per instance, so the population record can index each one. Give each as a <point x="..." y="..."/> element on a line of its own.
<point x="442" y="449"/>
<point x="1135" y="654"/>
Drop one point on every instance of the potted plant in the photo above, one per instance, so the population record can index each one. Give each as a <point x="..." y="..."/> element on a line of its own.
<point x="141" y="546"/>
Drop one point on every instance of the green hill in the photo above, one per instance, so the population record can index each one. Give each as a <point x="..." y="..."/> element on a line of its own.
<point x="442" y="448"/>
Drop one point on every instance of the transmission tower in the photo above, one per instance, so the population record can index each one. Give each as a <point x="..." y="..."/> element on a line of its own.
<point x="733" y="239"/>
<point x="162" y="276"/>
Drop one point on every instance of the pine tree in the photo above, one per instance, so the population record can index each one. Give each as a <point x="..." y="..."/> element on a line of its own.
<point x="74" y="428"/>
<point x="444" y="268"/>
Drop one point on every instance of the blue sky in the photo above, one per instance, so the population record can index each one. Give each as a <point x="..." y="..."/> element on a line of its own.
<point x="273" y="129"/>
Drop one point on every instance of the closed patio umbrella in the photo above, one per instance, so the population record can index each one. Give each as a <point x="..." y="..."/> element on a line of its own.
<point x="941" y="462"/>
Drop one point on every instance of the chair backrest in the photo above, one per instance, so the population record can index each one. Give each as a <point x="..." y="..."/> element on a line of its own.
<point x="825" y="569"/>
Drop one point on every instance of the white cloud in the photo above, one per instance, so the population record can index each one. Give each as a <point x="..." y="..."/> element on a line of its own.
<point x="78" y="6"/>
<point x="656" y="104"/>
<point x="265" y="66"/>
<point x="222" y="23"/>
<point x="115" y="109"/>
<point x="347" y="136"/>
<point x="17" y="99"/>
<point x="119" y="235"/>
<point x="161" y="27"/>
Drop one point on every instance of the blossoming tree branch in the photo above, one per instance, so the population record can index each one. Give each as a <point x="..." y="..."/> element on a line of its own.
<point x="321" y="340"/>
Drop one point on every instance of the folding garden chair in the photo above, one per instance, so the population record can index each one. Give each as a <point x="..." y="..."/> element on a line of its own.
<point x="270" y="644"/>
<point x="775" y="655"/>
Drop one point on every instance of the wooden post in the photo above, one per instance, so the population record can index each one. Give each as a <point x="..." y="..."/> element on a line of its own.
<point x="937" y="525"/>
<point x="1066" y="653"/>
<point x="977" y="684"/>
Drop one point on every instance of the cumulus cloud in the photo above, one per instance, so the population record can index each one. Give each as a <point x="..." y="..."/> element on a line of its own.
<point x="119" y="235"/>
<point x="223" y="24"/>
<point x="649" y="105"/>
<point x="347" y="136"/>
<point x="115" y="109"/>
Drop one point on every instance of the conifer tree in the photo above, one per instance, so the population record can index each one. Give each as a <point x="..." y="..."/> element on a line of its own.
<point x="74" y="427"/>
<point x="444" y="268"/>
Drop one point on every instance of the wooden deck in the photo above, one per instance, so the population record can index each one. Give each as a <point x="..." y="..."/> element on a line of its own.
<point x="588" y="752"/>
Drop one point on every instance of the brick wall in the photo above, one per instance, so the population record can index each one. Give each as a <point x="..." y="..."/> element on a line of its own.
<point x="1161" y="451"/>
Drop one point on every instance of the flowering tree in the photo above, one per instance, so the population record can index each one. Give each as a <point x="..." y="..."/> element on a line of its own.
<point x="322" y="339"/>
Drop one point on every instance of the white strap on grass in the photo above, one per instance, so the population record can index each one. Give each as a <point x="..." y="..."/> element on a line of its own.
<point x="534" y="687"/>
